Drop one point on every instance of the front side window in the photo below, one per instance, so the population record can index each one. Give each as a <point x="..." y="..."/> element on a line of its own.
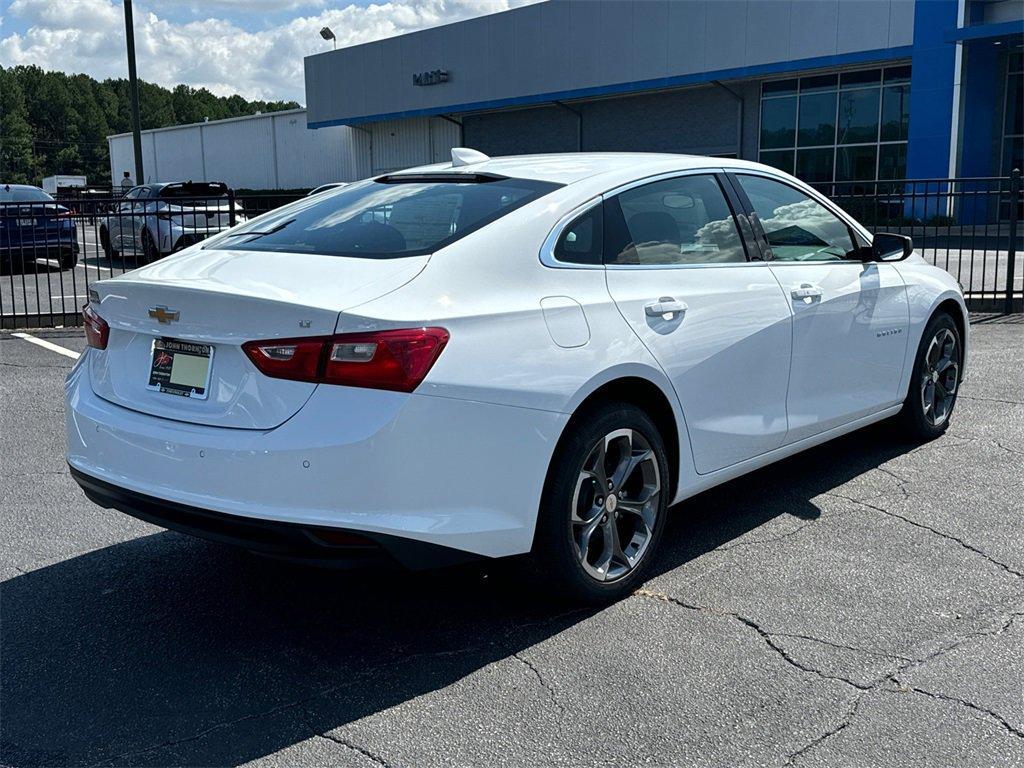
<point x="386" y="218"/>
<point x="797" y="227"/>
<point x="685" y="220"/>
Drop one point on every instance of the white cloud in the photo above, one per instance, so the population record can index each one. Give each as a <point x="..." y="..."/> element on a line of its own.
<point x="88" y="36"/>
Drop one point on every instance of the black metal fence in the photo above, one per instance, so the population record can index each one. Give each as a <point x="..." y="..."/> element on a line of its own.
<point x="51" y="251"/>
<point x="971" y="227"/>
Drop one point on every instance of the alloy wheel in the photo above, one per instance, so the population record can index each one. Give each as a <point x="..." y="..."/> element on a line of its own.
<point x="615" y="505"/>
<point x="940" y="371"/>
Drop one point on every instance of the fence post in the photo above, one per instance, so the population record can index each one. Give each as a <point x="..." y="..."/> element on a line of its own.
<point x="231" y="207"/>
<point x="1012" y="250"/>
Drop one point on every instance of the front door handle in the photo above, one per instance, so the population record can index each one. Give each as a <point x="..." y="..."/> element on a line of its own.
<point x="666" y="307"/>
<point x="806" y="291"/>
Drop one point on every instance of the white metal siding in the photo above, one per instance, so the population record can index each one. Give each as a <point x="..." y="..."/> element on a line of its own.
<point x="401" y="144"/>
<point x="179" y="155"/>
<point x="242" y="150"/>
<point x="272" y="151"/>
<point x="308" y="158"/>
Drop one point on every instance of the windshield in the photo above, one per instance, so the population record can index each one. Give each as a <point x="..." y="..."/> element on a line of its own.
<point x="386" y="218"/>
<point x="23" y="195"/>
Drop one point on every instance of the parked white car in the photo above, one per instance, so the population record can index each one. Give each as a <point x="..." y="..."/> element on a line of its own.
<point x="501" y="356"/>
<point x="154" y="220"/>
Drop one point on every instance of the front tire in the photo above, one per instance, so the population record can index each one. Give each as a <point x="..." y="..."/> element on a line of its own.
<point x="935" y="380"/>
<point x="604" y="505"/>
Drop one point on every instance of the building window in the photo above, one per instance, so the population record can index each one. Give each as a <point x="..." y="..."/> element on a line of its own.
<point x="847" y="127"/>
<point x="1013" y="116"/>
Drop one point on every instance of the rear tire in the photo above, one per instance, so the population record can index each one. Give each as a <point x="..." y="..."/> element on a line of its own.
<point x="935" y="380"/>
<point x="604" y="505"/>
<point x="150" y="252"/>
<point x="108" y="249"/>
<point x="69" y="260"/>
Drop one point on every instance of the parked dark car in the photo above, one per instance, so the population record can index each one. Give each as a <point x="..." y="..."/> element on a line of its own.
<point x="33" y="226"/>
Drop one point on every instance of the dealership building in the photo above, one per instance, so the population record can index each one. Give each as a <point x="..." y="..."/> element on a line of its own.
<point x="831" y="90"/>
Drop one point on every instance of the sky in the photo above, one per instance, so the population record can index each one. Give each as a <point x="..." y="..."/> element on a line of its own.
<point x="250" y="47"/>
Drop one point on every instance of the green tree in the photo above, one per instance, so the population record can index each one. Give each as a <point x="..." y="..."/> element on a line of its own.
<point x="15" y="132"/>
<point x="51" y="122"/>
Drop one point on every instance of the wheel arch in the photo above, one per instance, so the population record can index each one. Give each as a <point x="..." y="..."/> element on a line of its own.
<point x="655" y="398"/>
<point x="955" y="309"/>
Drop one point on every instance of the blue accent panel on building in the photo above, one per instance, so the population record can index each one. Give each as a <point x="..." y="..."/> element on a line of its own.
<point x="760" y="70"/>
<point x="981" y="92"/>
<point x="931" y="89"/>
<point x="1003" y="29"/>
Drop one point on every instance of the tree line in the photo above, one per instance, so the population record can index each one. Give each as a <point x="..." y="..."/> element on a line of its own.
<point x="52" y="122"/>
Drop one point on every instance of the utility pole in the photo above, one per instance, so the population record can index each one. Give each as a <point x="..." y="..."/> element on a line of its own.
<point x="133" y="87"/>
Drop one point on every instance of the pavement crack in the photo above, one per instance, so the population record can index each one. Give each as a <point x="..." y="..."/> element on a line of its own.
<point x="989" y="400"/>
<point x="765" y="635"/>
<point x="972" y="706"/>
<point x="842" y="647"/>
<point x="1008" y="449"/>
<point x="843" y="725"/>
<point x="959" y="643"/>
<point x="375" y="758"/>
<point x="937" y="532"/>
<point x="540" y="679"/>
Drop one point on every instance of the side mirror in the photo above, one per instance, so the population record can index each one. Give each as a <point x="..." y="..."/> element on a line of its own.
<point x="889" y="247"/>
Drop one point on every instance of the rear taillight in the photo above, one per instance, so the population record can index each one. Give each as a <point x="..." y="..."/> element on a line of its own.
<point x="97" y="332"/>
<point x="397" y="360"/>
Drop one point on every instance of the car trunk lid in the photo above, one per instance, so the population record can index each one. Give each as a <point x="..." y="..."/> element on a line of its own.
<point x="222" y="299"/>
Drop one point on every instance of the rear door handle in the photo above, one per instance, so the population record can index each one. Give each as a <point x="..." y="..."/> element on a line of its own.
<point x="806" y="291"/>
<point x="665" y="307"/>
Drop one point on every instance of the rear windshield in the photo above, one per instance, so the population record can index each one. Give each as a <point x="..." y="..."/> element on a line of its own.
<point x="195" y="189"/>
<point x="386" y="218"/>
<point x="23" y="195"/>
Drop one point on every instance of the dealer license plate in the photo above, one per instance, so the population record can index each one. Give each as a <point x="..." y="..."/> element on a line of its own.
<point x="181" y="368"/>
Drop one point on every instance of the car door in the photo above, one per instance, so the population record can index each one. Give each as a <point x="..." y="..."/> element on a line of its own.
<point x="850" y="316"/>
<point x="119" y="223"/>
<point x="135" y="221"/>
<point x="717" y="323"/>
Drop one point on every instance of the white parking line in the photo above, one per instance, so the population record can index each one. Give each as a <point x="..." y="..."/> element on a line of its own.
<point x="48" y="345"/>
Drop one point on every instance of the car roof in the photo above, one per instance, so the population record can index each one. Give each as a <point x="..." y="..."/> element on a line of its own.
<point x="571" y="167"/>
<point x="21" y="186"/>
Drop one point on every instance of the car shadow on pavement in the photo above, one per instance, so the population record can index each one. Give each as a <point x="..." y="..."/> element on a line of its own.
<point x="166" y="650"/>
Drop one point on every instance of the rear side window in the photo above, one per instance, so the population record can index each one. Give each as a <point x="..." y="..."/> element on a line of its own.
<point x="685" y="220"/>
<point x="387" y="218"/>
<point x="581" y="242"/>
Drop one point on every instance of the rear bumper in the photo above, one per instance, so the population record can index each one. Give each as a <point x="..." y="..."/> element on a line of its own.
<point x="457" y="474"/>
<point x="40" y="248"/>
<point x="306" y="543"/>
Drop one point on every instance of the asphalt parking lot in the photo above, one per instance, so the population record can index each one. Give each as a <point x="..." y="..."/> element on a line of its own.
<point x="859" y="604"/>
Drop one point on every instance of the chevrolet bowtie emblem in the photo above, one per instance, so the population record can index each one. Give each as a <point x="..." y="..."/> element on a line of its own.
<point x="164" y="315"/>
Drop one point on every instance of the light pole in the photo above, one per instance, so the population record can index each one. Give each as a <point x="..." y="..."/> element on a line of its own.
<point x="133" y="87"/>
<point x="327" y="34"/>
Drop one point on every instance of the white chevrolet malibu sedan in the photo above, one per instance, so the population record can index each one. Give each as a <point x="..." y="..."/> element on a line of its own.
<point x="493" y="357"/>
